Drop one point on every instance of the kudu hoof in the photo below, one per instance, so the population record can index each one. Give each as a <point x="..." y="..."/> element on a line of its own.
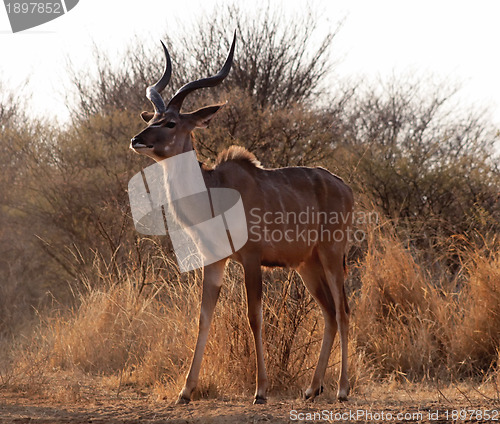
<point x="312" y="395"/>
<point x="259" y="400"/>
<point x="181" y="400"/>
<point x="342" y="395"/>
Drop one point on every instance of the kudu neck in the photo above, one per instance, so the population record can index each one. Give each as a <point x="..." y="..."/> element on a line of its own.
<point x="183" y="175"/>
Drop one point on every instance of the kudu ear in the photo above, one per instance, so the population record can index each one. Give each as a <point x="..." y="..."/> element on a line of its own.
<point x="202" y="117"/>
<point x="147" y="116"/>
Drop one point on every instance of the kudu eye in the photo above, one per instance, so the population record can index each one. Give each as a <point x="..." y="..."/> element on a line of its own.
<point x="170" y="124"/>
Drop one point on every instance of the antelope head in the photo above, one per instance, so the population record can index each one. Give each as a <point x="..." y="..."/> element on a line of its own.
<point x="169" y="131"/>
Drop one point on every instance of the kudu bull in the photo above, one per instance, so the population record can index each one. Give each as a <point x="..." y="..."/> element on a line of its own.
<point x="266" y="193"/>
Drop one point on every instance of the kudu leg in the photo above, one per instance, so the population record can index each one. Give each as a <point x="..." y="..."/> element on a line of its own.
<point x="253" y="284"/>
<point x="333" y="267"/>
<point x="212" y="282"/>
<point x="314" y="279"/>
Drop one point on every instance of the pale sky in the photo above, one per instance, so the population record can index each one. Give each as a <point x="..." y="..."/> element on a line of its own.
<point x="454" y="40"/>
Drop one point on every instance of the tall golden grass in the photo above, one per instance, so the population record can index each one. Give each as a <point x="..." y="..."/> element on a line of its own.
<point x="406" y="324"/>
<point x="410" y="323"/>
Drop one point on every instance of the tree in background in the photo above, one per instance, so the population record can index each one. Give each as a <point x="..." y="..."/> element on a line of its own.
<point x="274" y="66"/>
<point x="20" y="259"/>
<point x="424" y="161"/>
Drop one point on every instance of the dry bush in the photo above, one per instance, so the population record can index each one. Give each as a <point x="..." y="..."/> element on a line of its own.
<point x="411" y="324"/>
<point x="121" y="326"/>
<point x="291" y="136"/>
<point x="422" y="159"/>
<point x="394" y="324"/>
<point x="274" y="66"/>
<point x="477" y="336"/>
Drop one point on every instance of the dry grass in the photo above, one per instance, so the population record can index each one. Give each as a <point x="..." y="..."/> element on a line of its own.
<point x="395" y="323"/>
<point x="418" y="327"/>
<point x="406" y="326"/>
<point x="478" y="335"/>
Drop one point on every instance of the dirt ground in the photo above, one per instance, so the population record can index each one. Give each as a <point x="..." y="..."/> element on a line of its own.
<point x="89" y="403"/>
